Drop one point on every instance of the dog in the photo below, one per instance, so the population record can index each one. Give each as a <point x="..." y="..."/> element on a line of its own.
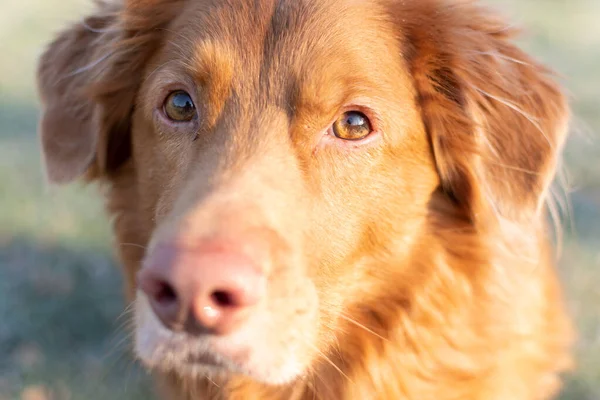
<point x="320" y="199"/>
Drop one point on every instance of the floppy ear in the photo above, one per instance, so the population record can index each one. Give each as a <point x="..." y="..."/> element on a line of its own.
<point x="495" y="117"/>
<point x="69" y="127"/>
<point x="88" y="79"/>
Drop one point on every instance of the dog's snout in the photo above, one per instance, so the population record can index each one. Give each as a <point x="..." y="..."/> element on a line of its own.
<point x="201" y="292"/>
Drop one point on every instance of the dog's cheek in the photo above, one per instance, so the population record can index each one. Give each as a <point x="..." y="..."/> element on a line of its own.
<point x="286" y="346"/>
<point x="339" y="207"/>
<point x="368" y="202"/>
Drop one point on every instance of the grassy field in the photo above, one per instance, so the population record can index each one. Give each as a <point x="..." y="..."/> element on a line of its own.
<point x="61" y="334"/>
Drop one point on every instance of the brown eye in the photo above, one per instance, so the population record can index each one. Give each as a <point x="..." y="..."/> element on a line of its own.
<point x="179" y="107"/>
<point x="352" y="125"/>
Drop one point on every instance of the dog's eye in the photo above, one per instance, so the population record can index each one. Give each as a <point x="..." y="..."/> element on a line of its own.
<point x="352" y="125"/>
<point x="179" y="107"/>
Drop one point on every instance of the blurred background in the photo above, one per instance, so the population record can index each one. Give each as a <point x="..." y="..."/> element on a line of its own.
<point x="63" y="334"/>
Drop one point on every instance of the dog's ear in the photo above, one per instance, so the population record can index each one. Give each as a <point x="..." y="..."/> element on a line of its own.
<point x="70" y="129"/>
<point x="88" y="79"/>
<point x="495" y="117"/>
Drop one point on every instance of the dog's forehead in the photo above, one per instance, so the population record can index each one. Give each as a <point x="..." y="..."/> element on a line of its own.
<point x="275" y="29"/>
<point x="235" y="16"/>
<point x="269" y="43"/>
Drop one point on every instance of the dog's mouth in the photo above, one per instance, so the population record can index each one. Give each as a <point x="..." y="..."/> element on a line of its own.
<point x="210" y="363"/>
<point x="197" y="358"/>
<point x="194" y="357"/>
<point x="249" y="352"/>
<point x="205" y="359"/>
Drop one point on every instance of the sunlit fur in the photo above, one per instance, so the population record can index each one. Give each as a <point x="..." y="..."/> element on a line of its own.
<point x="416" y="267"/>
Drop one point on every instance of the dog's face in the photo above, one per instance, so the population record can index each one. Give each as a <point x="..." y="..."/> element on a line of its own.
<point x="284" y="159"/>
<point x="292" y="150"/>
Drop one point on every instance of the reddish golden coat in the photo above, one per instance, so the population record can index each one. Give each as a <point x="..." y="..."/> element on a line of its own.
<point x="430" y="260"/>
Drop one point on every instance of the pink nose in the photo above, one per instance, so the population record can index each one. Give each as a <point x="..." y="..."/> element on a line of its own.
<point x="210" y="292"/>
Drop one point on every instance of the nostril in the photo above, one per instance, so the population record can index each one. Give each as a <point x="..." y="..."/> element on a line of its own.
<point x="159" y="291"/>
<point x="223" y="299"/>
<point x="165" y="294"/>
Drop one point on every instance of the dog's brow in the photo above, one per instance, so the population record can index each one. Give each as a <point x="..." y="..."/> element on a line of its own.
<point x="211" y="66"/>
<point x="212" y="61"/>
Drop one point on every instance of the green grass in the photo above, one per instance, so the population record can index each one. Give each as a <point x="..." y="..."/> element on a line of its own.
<point x="67" y="339"/>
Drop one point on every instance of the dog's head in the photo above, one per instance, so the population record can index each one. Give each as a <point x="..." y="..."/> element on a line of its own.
<point x="285" y="162"/>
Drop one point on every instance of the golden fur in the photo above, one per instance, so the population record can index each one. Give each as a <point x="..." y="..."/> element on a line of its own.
<point x="415" y="267"/>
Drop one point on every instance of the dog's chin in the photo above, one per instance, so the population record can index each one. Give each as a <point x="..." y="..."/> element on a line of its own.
<point x="194" y="358"/>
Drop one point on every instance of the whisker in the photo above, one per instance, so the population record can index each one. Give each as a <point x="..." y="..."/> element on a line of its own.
<point x="351" y="320"/>
<point x="118" y="346"/>
<point x="122" y="321"/>
<point x="329" y="361"/>
<point x="127" y="327"/>
<point x="212" y="381"/>
<point x="128" y="309"/>
<point x="325" y="385"/>
<point x="133" y="245"/>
